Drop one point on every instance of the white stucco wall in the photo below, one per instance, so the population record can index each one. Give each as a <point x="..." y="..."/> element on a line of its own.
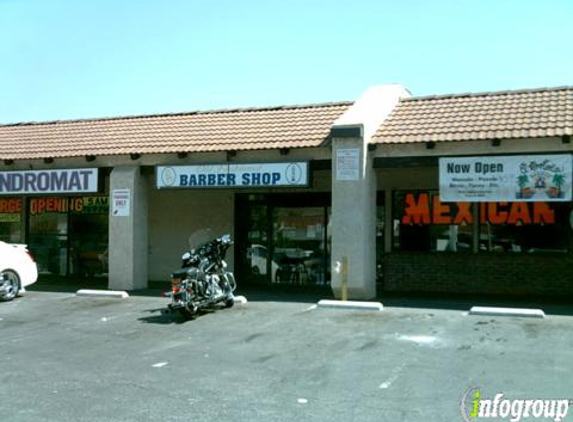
<point x="128" y="234"/>
<point x="176" y="214"/>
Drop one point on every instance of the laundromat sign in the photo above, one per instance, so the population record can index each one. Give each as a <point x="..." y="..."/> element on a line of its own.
<point x="293" y="174"/>
<point x="48" y="181"/>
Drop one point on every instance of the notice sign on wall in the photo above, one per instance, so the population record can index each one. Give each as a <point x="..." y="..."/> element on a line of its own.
<point x="233" y="175"/>
<point x="347" y="164"/>
<point x="529" y="178"/>
<point x="121" y="201"/>
<point x="48" y="181"/>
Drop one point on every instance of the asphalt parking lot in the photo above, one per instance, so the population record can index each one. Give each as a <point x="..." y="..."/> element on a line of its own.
<point x="66" y="358"/>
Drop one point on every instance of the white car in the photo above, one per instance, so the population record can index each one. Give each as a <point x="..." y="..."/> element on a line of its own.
<point x="17" y="270"/>
<point x="258" y="255"/>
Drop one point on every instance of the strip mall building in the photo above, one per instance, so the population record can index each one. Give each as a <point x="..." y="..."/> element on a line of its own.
<point x="462" y="193"/>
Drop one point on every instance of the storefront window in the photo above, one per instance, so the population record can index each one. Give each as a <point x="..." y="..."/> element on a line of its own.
<point x="299" y="248"/>
<point x="423" y="223"/>
<point x="10" y="220"/>
<point x="69" y="235"/>
<point x="254" y="251"/>
<point x="523" y="227"/>
<point x="283" y="239"/>
<point x="48" y="241"/>
<point x="88" y="237"/>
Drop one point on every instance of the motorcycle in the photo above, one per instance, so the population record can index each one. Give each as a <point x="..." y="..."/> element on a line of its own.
<point x="203" y="280"/>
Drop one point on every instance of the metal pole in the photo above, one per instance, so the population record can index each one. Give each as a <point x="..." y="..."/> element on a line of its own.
<point x="344" y="278"/>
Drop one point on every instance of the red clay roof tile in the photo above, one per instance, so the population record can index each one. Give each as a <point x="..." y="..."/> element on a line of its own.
<point x="243" y="129"/>
<point x="502" y="115"/>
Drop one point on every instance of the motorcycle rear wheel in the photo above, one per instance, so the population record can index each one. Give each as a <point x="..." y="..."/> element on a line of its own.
<point x="187" y="312"/>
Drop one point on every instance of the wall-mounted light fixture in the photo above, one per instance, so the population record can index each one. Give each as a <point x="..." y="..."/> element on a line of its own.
<point x="430" y="145"/>
<point x="135" y="156"/>
<point x="566" y="139"/>
<point x="372" y="147"/>
<point x="48" y="160"/>
<point x="90" y="158"/>
<point x="8" y="162"/>
<point x="495" y="142"/>
<point x="182" y="155"/>
<point x="284" y="151"/>
<point x="231" y="154"/>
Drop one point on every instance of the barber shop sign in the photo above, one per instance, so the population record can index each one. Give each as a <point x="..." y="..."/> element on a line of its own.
<point x="233" y="175"/>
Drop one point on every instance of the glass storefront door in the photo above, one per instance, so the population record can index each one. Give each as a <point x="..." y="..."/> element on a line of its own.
<point x="283" y="239"/>
<point x="299" y="245"/>
<point x="48" y="240"/>
<point x="69" y="235"/>
<point x="88" y="239"/>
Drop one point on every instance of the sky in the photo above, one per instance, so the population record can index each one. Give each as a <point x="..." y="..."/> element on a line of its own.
<point x="75" y="59"/>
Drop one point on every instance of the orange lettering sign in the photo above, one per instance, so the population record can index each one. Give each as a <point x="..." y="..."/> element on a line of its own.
<point x="426" y="208"/>
<point x="10" y="206"/>
<point x="464" y="215"/>
<point x="441" y="212"/>
<point x="416" y="212"/>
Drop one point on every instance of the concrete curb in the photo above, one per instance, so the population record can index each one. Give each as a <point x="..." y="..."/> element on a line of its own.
<point x="349" y="304"/>
<point x="112" y="294"/>
<point x="515" y="312"/>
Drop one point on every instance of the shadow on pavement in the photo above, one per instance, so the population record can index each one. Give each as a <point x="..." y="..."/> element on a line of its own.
<point x="159" y="316"/>
<point x="261" y="293"/>
<point x="312" y="294"/>
<point x="162" y="317"/>
<point x="66" y="285"/>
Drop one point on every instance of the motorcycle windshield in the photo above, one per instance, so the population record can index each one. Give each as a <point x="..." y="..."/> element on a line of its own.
<point x="200" y="237"/>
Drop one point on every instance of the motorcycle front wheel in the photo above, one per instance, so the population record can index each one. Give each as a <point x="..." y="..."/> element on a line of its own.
<point x="229" y="301"/>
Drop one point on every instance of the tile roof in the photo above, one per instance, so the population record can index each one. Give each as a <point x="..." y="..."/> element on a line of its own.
<point x="493" y="115"/>
<point x="241" y="129"/>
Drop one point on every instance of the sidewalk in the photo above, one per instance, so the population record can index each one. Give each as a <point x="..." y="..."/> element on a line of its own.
<point x="312" y="294"/>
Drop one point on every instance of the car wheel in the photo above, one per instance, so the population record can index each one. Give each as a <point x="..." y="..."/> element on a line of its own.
<point x="12" y="286"/>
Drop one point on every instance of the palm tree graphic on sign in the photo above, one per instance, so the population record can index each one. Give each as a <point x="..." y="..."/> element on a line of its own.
<point x="522" y="181"/>
<point x="558" y="181"/>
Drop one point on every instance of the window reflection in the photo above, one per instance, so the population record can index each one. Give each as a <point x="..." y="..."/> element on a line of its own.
<point x="69" y="235"/>
<point x="299" y="245"/>
<point x="10" y="220"/>
<point x="423" y="223"/>
<point x="284" y="243"/>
